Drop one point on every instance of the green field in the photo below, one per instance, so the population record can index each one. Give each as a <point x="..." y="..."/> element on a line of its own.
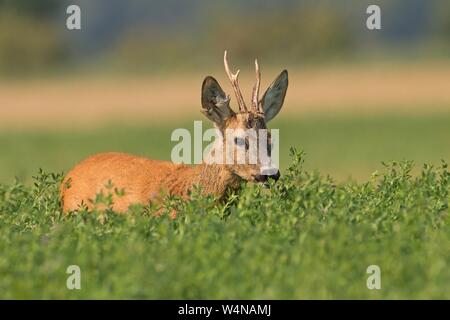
<point x="308" y="236"/>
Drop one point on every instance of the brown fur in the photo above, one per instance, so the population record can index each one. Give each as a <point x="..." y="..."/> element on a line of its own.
<point x="141" y="179"/>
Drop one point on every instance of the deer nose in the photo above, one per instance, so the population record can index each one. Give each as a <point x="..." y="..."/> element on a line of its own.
<point x="275" y="176"/>
<point x="265" y="177"/>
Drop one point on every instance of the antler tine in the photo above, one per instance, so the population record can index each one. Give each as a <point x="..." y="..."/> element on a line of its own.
<point x="235" y="84"/>
<point x="255" y="93"/>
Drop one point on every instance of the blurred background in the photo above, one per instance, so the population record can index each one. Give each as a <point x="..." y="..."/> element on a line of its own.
<point x="133" y="73"/>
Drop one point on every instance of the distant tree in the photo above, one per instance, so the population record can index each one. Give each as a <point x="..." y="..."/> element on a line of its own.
<point x="443" y="24"/>
<point x="41" y="8"/>
<point x="35" y="45"/>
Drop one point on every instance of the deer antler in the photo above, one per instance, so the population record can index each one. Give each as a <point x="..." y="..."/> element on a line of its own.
<point x="235" y="84"/>
<point x="256" y="106"/>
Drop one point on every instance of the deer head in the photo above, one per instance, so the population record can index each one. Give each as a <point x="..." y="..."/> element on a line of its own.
<point x="244" y="132"/>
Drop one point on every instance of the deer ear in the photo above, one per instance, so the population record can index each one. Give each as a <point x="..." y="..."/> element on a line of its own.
<point x="215" y="103"/>
<point x="273" y="99"/>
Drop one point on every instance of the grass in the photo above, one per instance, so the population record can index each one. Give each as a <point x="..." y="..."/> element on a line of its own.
<point x="305" y="237"/>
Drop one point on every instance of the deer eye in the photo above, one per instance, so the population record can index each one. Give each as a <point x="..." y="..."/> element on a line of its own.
<point x="241" y="142"/>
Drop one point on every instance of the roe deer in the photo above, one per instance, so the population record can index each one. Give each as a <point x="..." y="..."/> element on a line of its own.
<point x="143" y="180"/>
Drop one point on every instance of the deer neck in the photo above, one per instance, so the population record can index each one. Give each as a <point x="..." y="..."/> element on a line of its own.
<point x="217" y="179"/>
<point x="213" y="179"/>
